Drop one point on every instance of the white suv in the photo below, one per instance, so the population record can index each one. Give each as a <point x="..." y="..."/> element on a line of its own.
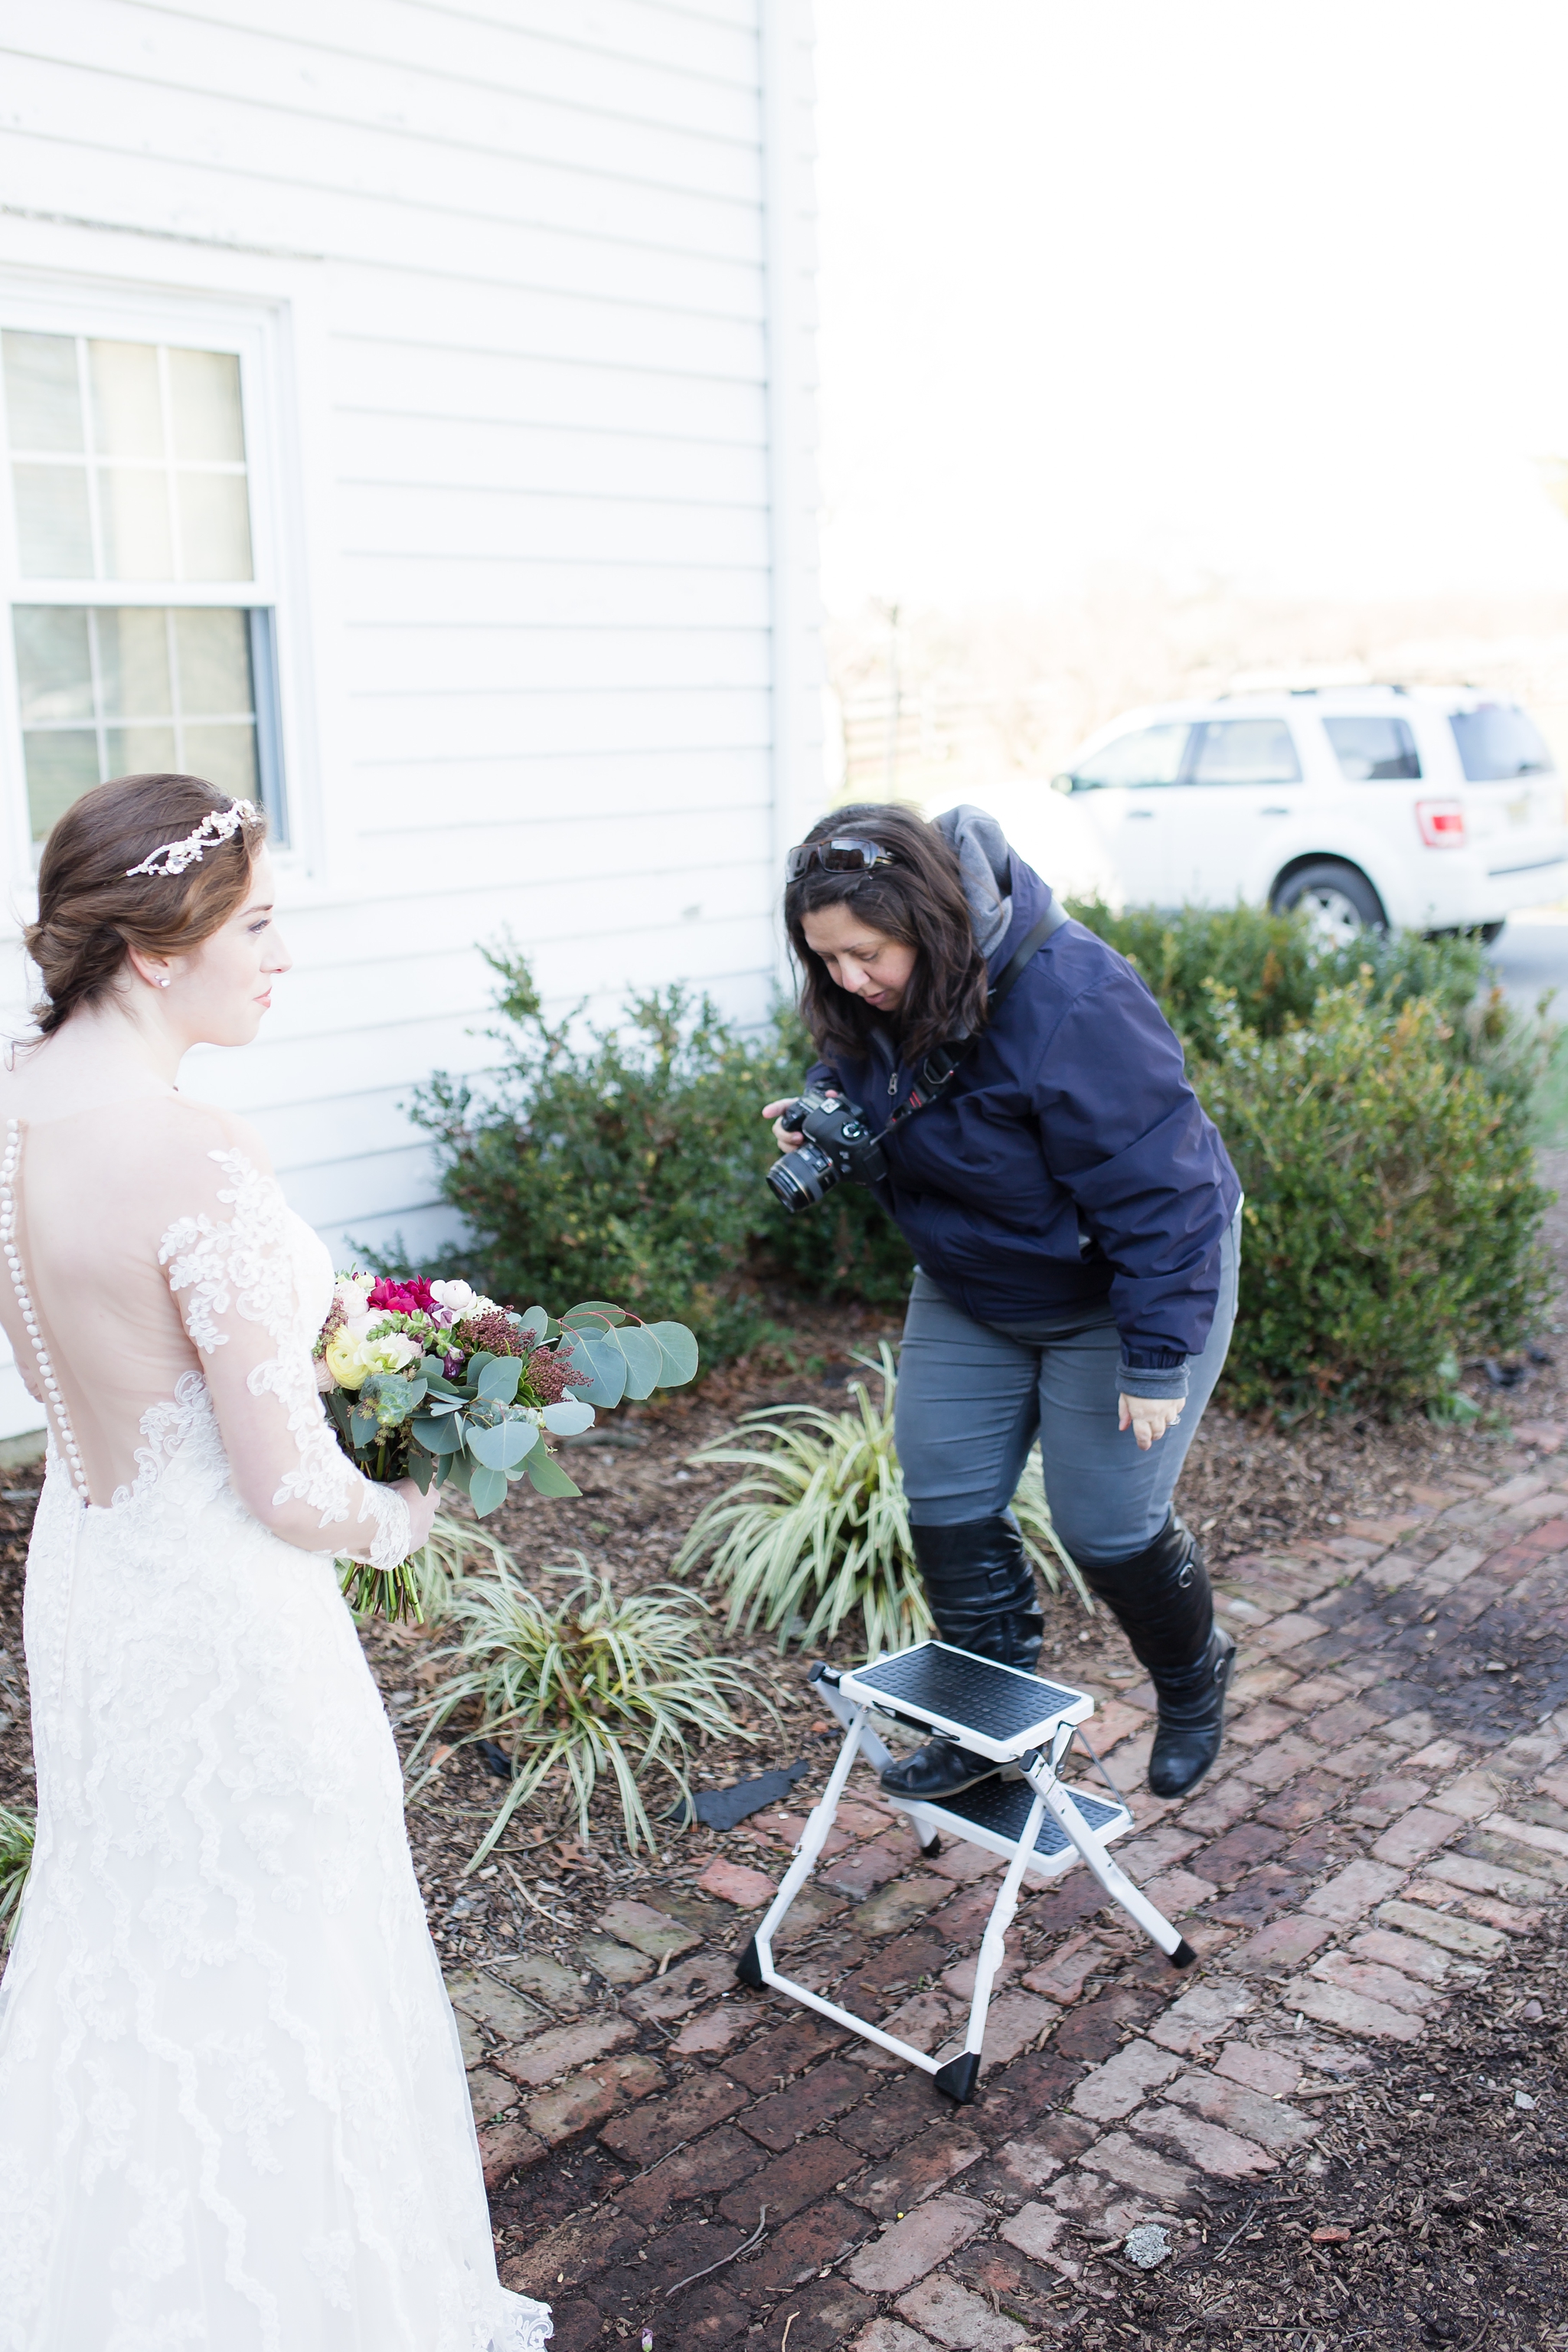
<point x="1434" y="808"/>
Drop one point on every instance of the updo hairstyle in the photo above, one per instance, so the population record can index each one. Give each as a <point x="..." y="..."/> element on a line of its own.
<point x="917" y="898"/>
<point x="91" y="908"/>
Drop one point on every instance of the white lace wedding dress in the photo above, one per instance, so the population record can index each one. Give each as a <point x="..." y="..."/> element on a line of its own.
<point x="232" y="2112"/>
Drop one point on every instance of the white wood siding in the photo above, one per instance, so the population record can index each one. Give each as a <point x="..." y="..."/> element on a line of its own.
<point x="535" y="286"/>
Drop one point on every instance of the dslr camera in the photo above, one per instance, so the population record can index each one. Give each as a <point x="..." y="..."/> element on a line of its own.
<point x="838" y="1146"/>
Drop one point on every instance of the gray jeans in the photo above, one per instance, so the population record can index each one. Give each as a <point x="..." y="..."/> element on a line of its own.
<point x="973" y="1398"/>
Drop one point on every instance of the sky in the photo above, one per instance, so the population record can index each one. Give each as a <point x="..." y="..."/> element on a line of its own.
<point x="1267" y="293"/>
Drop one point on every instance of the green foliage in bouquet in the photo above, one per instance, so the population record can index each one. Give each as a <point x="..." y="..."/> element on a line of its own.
<point x="468" y="1403"/>
<point x="819" y="1527"/>
<point x="16" y="1861"/>
<point x="598" y="1685"/>
<point x="633" y="1158"/>
<point x="1392" y="1209"/>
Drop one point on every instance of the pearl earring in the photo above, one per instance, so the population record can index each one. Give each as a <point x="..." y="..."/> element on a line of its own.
<point x="163" y="980"/>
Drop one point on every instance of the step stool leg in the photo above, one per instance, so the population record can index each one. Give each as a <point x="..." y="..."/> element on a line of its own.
<point x="959" y="2076"/>
<point x="755" y="1966"/>
<point x="1111" y="1877"/>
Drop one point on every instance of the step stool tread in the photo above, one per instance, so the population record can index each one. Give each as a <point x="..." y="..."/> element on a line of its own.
<point x="1001" y="1807"/>
<point x="998" y="1701"/>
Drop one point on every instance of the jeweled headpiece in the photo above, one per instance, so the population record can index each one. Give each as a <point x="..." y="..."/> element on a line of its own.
<point x="174" y="857"/>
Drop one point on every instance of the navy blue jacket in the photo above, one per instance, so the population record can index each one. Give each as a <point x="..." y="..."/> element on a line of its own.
<point x="1069" y="1161"/>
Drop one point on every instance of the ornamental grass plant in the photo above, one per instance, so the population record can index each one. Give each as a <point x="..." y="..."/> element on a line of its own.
<point x="596" y="1687"/>
<point x="819" y="1526"/>
<point x="16" y="1861"/>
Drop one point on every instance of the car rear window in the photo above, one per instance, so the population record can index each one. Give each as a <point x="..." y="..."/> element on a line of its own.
<point x="1372" y="750"/>
<point x="1149" y="755"/>
<point x="1497" y="740"/>
<point x="1246" y="752"/>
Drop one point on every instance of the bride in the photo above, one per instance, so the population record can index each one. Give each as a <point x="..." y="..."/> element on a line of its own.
<point x="233" y="2111"/>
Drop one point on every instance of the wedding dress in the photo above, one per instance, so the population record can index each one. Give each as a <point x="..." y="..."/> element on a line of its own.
<point x="233" y="2111"/>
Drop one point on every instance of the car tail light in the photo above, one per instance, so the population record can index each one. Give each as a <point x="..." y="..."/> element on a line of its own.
<point x="1442" y="823"/>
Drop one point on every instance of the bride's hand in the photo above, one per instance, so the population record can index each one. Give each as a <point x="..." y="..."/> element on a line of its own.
<point x="421" y="1510"/>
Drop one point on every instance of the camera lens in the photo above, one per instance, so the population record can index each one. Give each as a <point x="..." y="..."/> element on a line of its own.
<point x="800" y="1178"/>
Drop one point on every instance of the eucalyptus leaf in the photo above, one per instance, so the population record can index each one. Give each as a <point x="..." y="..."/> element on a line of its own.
<point x="570" y="1418"/>
<point x="536" y="1325"/>
<point x="487" y="1490"/>
<point x="422" y="1468"/>
<point x="498" y="1380"/>
<point x="576" y="1351"/>
<point x="362" y="1427"/>
<point x="443" y="1436"/>
<point x="679" y="1351"/>
<point x="644" y="1358"/>
<point x="546" y="1474"/>
<point x="459" y="1471"/>
<point x="608" y="1366"/>
<point x="502" y="1448"/>
<point x="593" y="1314"/>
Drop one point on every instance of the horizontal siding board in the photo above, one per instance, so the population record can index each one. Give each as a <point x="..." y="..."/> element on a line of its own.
<point x="390" y="519"/>
<point x="393" y="371"/>
<point x="545" y="324"/>
<point x="414" y="1236"/>
<point x="522" y="793"/>
<point x="436" y="453"/>
<point x="418" y="726"/>
<point x="717" y="43"/>
<point x="402" y="586"/>
<point x="397" y="658"/>
<point x="231" y="136"/>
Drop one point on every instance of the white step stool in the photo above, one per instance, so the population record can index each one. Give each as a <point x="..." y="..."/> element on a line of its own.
<point x="1041" y="1824"/>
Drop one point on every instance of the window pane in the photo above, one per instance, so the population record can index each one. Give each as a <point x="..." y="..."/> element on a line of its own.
<point x="226" y="756"/>
<point x="203" y="396"/>
<point x="54" y="530"/>
<point x="1497" y="741"/>
<point x="1151" y="756"/>
<point x="133" y="663"/>
<point x="1374" y="750"/>
<point x="54" y="669"/>
<point x="43" y="397"/>
<point x="1246" y="751"/>
<point x="127" y="404"/>
<point x="133" y="515"/>
<point x="60" y="768"/>
<point x="142" y="751"/>
<point x="213" y="651"/>
<point x="214" y="526"/>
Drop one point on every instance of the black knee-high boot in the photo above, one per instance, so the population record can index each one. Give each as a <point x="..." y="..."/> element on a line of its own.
<point x="1162" y="1599"/>
<point x="981" y="1588"/>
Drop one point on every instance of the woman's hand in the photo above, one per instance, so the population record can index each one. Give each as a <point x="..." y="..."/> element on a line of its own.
<point x="421" y="1510"/>
<point x="1148" y="1417"/>
<point x="786" y="1138"/>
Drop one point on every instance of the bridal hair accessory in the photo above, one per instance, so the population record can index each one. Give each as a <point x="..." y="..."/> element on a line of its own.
<point x="172" y="857"/>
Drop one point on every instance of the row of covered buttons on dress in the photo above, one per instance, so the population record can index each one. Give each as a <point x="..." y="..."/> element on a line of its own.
<point x="13" y="1260"/>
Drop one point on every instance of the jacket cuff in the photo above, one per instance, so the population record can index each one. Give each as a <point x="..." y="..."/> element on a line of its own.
<point x="1148" y="1381"/>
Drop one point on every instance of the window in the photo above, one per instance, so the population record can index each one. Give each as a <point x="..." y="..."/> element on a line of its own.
<point x="1151" y="756"/>
<point x="1372" y="750"/>
<point x="1245" y="751"/>
<point x="1497" y="740"/>
<point x="142" y="637"/>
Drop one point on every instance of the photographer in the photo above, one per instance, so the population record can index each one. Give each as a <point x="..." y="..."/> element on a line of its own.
<point x="1026" y="1121"/>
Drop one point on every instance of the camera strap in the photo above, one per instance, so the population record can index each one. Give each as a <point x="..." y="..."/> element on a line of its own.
<point x="944" y="1062"/>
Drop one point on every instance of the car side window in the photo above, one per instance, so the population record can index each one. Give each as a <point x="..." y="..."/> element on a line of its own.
<point x="1497" y="741"/>
<point x="1245" y="751"/>
<point x="1374" y="750"/>
<point x="1151" y="755"/>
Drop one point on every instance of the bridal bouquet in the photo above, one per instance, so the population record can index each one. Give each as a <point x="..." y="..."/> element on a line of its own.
<point x="432" y="1381"/>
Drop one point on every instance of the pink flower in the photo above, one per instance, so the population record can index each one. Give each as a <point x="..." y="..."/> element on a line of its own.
<point x="409" y="1296"/>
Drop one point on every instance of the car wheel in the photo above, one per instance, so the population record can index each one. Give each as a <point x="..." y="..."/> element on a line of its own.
<point x="1338" y="901"/>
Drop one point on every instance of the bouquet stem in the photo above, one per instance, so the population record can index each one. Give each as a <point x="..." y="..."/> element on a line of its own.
<point x="394" y="1591"/>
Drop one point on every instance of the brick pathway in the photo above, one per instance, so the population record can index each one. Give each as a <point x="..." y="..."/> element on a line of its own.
<point x="1392" y="1805"/>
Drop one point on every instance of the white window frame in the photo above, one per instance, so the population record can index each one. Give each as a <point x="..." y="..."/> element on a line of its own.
<point x="251" y="333"/>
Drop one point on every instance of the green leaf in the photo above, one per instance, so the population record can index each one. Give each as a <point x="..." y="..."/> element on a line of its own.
<point x="442" y="1435"/>
<point x="422" y="1468"/>
<point x="362" y="1427"/>
<point x="503" y="1447"/>
<point x="593" y="1314"/>
<point x="601" y="1355"/>
<point x="456" y="1472"/>
<point x="498" y="1381"/>
<point x="546" y="1474"/>
<point x="644" y="1358"/>
<point x="678" y="1348"/>
<point x="536" y="1325"/>
<point x="486" y="1491"/>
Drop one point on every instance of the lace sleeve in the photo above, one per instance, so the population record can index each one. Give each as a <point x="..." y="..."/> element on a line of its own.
<point x="233" y="1274"/>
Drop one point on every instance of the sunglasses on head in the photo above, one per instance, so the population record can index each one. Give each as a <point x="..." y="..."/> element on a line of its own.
<point x="844" y="853"/>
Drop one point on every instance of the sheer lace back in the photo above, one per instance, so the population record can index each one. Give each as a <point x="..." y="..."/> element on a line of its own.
<point x="156" y="1270"/>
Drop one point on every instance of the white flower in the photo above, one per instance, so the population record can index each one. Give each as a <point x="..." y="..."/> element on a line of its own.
<point x="354" y="1292"/>
<point x="458" y="1297"/>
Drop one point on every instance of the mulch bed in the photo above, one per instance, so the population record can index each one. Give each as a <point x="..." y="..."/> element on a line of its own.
<point x="1441" y="2215"/>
